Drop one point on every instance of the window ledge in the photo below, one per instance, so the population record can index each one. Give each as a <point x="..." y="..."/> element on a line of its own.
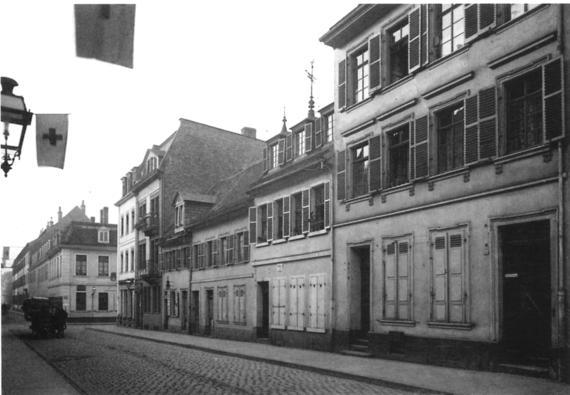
<point x="295" y="328"/>
<point x="317" y="330"/>
<point x="222" y="322"/>
<point x="264" y="244"/>
<point x="465" y="326"/>
<point x="277" y="327"/>
<point x="519" y="19"/>
<point x="395" y="189"/>
<point x="239" y="323"/>
<point x="448" y="174"/>
<point x="296" y="237"/>
<point x="537" y="150"/>
<point x="318" y="232"/>
<point x="394" y="85"/>
<point x="356" y="105"/>
<point x="449" y="57"/>
<point x="360" y="198"/>
<point x="279" y="241"/>
<point x="397" y="322"/>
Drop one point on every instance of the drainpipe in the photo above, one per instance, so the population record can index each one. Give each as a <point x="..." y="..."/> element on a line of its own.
<point x="333" y="249"/>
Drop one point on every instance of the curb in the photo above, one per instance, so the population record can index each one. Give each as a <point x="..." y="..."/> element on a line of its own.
<point x="328" y="372"/>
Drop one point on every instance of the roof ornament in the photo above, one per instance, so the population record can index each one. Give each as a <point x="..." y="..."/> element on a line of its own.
<point x="312" y="78"/>
<point x="284" y="127"/>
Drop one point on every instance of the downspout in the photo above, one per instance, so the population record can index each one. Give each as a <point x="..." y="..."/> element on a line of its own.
<point x="333" y="249"/>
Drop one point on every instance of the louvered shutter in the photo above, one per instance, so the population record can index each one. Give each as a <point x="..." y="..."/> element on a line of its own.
<point x="242" y="310"/>
<point x="390" y="280"/>
<point x="246" y="246"/>
<point x="419" y="148"/>
<point x="275" y="302"/>
<point x="487" y="123"/>
<point x="553" y="99"/>
<point x="313" y="302"/>
<point x="235" y="304"/>
<point x="404" y="280"/>
<point x="486" y="16"/>
<point x="340" y="175"/>
<point x="269" y="221"/>
<point x="318" y="133"/>
<point x="342" y="84"/>
<point x="321" y="312"/>
<point x="288" y="147"/>
<point x="424" y="31"/>
<point x="305" y="211"/>
<point x="471" y="130"/>
<point x="286" y="216"/>
<point x="375" y="166"/>
<point x="374" y="59"/>
<point x="253" y="223"/>
<point x="308" y="137"/>
<point x="439" y="277"/>
<point x="265" y="161"/>
<point x="281" y="151"/>
<point x="293" y="304"/>
<point x="327" y="215"/>
<point x="455" y="267"/>
<point x="471" y="21"/>
<point x="282" y="296"/>
<point x="414" y="56"/>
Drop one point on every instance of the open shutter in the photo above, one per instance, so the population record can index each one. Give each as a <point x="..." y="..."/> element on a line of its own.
<point x="340" y="175"/>
<point x="375" y="168"/>
<point x="404" y="293"/>
<point x="327" y="204"/>
<point x="293" y="304"/>
<point x="424" y="32"/>
<point x="390" y="278"/>
<point x="414" y="19"/>
<point x="281" y="151"/>
<point x="471" y="129"/>
<point x="342" y="84"/>
<point x="419" y="148"/>
<point x="288" y="147"/>
<point x="246" y="246"/>
<point x="265" y="161"/>
<point x="374" y="71"/>
<point x="456" y="288"/>
<point x="306" y="211"/>
<point x="308" y="137"/>
<point x="318" y="133"/>
<point x="553" y="99"/>
<point x="471" y="21"/>
<point x="286" y="216"/>
<point x="439" y="279"/>
<point x="487" y="16"/>
<point x="269" y="221"/>
<point x="253" y="223"/>
<point x="231" y="249"/>
<point x="487" y="123"/>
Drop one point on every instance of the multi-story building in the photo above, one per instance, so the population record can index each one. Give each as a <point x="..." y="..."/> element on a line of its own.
<point x="19" y="271"/>
<point x="451" y="234"/>
<point x="290" y="232"/>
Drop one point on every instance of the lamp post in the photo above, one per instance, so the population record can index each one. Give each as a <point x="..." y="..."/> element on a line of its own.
<point x="14" y="111"/>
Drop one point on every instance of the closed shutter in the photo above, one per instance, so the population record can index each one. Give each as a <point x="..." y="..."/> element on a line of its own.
<point x="282" y="299"/>
<point x="327" y="204"/>
<point x="471" y="21"/>
<point x="235" y="305"/>
<point x="340" y="175"/>
<point x="487" y="123"/>
<point x="486" y="16"/>
<point x="301" y="302"/>
<point x="265" y="161"/>
<point x="414" y="19"/>
<point x="321" y="292"/>
<point x="269" y="221"/>
<point x="342" y="84"/>
<point x="318" y="133"/>
<point x="293" y="322"/>
<point x="275" y="302"/>
<point x="375" y="169"/>
<point x="231" y="249"/>
<point x="286" y="216"/>
<point x="288" y="148"/>
<point x="553" y="99"/>
<point x="404" y="292"/>
<point x="308" y="137"/>
<point x="305" y="211"/>
<point x="242" y="309"/>
<point x="246" y="246"/>
<point x="374" y="71"/>
<point x="253" y="223"/>
<point x="419" y="148"/>
<point x="471" y="130"/>
<point x="390" y="280"/>
<point x="455" y="267"/>
<point x="439" y="272"/>
<point x="281" y="152"/>
<point x="313" y="302"/>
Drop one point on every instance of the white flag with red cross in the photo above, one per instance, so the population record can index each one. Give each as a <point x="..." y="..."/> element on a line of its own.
<point x="51" y="139"/>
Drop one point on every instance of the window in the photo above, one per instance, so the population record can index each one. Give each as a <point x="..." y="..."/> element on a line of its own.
<point x="317" y="310"/>
<point x="222" y="310"/>
<point x="199" y="255"/>
<point x="524" y="111"/>
<point x="80" y="300"/>
<point x="103" y="236"/>
<point x="399" y="50"/>
<point x="213" y="257"/>
<point x="360" y="82"/>
<point x="103" y="301"/>
<point x="452" y="28"/>
<point x="227" y="246"/>
<point x="179" y="215"/>
<point x="296" y="303"/>
<point x="265" y="216"/>
<point x="142" y="210"/>
<point x="359" y="155"/>
<point x="142" y="256"/>
<point x="81" y="265"/>
<point x="449" y="283"/>
<point x="103" y="266"/>
<point x="122" y="226"/>
<point x="242" y="246"/>
<point x="299" y="143"/>
<point x="450" y="131"/>
<point x="127" y="261"/>
<point x="327" y="124"/>
<point x="317" y="195"/>
<point x="239" y="304"/>
<point x="513" y="11"/>
<point x="151" y="164"/>
<point x="278" y="302"/>
<point x="127" y="224"/>
<point x="122" y="262"/>
<point x="274" y="155"/>
<point x="132" y="220"/>
<point x="296" y="214"/>
<point x="132" y="260"/>
<point x="398" y="153"/>
<point x="278" y="214"/>
<point x="397" y="279"/>
<point x="174" y="303"/>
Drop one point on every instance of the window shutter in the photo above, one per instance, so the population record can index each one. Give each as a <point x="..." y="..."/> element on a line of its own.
<point x="305" y="213"/>
<point x="487" y="123"/>
<point x="269" y="221"/>
<point x="275" y="302"/>
<point x="265" y="159"/>
<point x="308" y="137"/>
<point x="471" y="20"/>
<point x="318" y="133"/>
<point x="486" y="15"/>
<point x="253" y="223"/>
<point x="375" y="168"/>
<point x="553" y="99"/>
<point x="327" y="187"/>
<point x="301" y="302"/>
<point x="288" y="148"/>
<point x="293" y="299"/>
<point x="439" y="280"/>
<point x="242" y="311"/>
<point x="390" y="278"/>
<point x="414" y="19"/>
<point x="321" y="312"/>
<point x="246" y="246"/>
<point x="286" y="216"/>
<point x="456" y="288"/>
<point x="471" y="129"/>
<point x="374" y="71"/>
<point x="342" y="84"/>
<point x="340" y="175"/>
<point x="404" y="280"/>
<point x="424" y="31"/>
<point x="281" y="151"/>
<point x="419" y="148"/>
<point x="282" y="296"/>
<point x="313" y="304"/>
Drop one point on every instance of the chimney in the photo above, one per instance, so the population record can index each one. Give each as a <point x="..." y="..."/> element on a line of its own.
<point x="83" y="207"/>
<point x="93" y="219"/>
<point x="105" y="215"/>
<point x="249" y="132"/>
<point x="59" y="214"/>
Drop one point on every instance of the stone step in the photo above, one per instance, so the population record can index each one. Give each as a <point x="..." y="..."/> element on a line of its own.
<point x="359" y="347"/>
<point x="354" y="353"/>
<point x="527" y="370"/>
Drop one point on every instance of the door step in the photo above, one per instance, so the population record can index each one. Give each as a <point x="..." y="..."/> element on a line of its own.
<point x="263" y="340"/>
<point x="355" y="353"/>
<point x="527" y="370"/>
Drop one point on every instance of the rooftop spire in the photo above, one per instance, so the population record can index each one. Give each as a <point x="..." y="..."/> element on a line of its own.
<point x="312" y="78"/>
<point x="284" y="128"/>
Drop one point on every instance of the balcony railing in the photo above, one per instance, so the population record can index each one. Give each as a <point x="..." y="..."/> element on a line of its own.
<point x="148" y="270"/>
<point x="148" y="224"/>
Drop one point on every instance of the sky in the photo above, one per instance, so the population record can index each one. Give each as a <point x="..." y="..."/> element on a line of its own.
<point x="224" y="63"/>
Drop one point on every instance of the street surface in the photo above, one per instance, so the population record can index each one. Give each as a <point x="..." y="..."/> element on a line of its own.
<point x="102" y="363"/>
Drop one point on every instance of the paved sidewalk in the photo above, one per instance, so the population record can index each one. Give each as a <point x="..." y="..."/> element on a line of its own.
<point x="449" y="380"/>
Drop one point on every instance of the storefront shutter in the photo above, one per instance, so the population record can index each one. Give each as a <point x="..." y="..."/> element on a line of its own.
<point x="293" y="296"/>
<point x="374" y="59"/>
<point x="390" y="280"/>
<point x="340" y="175"/>
<point x="487" y="123"/>
<point x="282" y="299"/>
<point x="553" y="99"/>
<point x="321" y="295"/>
<point x="414" y="56"/>
<point x="253" y="223"/>
<point x="471" y="130"/>
<point x="275" y="302"/>
<point x="375" y="169"/>
<point x="342" y="84"/>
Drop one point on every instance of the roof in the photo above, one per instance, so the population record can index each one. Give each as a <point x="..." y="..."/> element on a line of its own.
<point x="86" y="234"/>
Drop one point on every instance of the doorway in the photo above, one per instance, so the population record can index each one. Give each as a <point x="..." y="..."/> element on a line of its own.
<point x="195" y="321"/>
<point x="526" y="289"/>
<point x="209" y="311"/>
<point x="360" y="290"/>
<point x="184" y="310"/>
<point x="264" y="290"/>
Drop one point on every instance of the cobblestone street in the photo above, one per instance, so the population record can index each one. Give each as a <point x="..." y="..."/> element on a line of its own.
<point x="100" y="363"/>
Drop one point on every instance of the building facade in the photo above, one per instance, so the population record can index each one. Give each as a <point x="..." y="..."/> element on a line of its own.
<point x="450" y="210"/>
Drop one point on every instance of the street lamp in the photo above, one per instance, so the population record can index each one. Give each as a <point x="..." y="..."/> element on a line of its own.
<point x="13" y="112"/>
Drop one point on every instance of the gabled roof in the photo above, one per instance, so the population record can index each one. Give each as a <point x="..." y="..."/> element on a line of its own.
<point x="87" y="233"/>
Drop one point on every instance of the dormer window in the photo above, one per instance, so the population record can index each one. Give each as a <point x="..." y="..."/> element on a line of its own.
<point x="299" y="143"/>
<point x="179" y="215"/>
<point x="103" y="236"/>
<point x="151" y="164"/>
<point x="274" y="153"/>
